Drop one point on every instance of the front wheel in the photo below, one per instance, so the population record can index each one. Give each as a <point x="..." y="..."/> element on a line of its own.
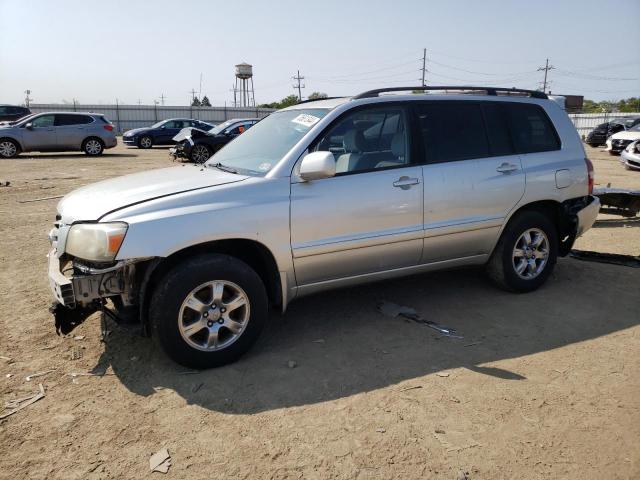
<point x="145" y="142"/>
<point x="209" y="310"/>
<point x="526" y="252"/>
<point x="200" y="153"/>
<point x="8" y="148"/>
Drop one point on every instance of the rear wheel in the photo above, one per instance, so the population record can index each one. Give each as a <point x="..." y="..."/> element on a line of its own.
<point x="145" y="142"/>
<point x="8" y="148"/>
<point x="200" y="153"/>
<point x="93" y="146"/>
<point x="593" y="145"/>
<point x="209" y="310"/>
<point x="526" y="252"/>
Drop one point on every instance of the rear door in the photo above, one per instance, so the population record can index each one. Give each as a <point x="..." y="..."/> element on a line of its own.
<point x="42" y="135"/>
<point x="71" y="130"/>
<point x="169" y="130"/>
<point x="469" y="183"/>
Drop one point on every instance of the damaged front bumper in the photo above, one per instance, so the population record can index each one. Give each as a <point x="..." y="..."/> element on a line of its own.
<point x="80" y="290"/>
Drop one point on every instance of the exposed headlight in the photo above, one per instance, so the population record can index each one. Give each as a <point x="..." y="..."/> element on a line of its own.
<point x="97" y="242"/>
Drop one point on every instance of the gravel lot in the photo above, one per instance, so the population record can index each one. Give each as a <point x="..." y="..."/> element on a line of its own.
<point x="543" y="385"/>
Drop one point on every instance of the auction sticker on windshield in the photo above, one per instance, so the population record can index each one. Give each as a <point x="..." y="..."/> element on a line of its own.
<point x="306" y="120"/>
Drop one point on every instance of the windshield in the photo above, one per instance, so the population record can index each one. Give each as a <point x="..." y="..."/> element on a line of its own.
<point x="259" y="148"/>
<point x="159" y="124"/>
<point x="635" y="128"/>
<point x="629" y="123"/>
<point x="219" y="128"/>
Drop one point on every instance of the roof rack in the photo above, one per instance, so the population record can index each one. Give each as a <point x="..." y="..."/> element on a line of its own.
<point x="489" y="91"/>
<point x="317" y="99"/>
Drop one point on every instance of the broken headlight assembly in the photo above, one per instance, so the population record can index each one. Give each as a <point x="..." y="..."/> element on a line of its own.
<point x="96" y="242"/>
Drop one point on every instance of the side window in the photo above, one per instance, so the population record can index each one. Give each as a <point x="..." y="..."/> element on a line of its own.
<point x="4" y="110"/>
<point x="179" y="124"/>
<point x="169" y="124"/>
<point x="452" y="132"/>
<point x="531" y="129"/>
<point x="497" y="130"/>
<point x="43" y="121"/>
<point x="70" y="119"/>
<point x="368" y="139"/>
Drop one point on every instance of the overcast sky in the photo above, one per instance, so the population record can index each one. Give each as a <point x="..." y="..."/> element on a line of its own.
<point x="135" y="51"/>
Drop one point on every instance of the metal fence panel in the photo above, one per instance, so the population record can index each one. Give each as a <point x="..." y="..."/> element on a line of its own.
<point x="585" y="122"/>
<point x="126" y="117"/>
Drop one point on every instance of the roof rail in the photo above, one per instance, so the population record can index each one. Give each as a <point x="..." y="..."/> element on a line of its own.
<point x="488" y="90"/>
<point x="316" y="99"/>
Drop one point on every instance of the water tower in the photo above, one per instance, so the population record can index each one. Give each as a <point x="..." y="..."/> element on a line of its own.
<point x="243" y="95"/>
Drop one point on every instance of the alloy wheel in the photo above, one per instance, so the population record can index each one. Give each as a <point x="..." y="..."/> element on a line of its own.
<point x="7" y="149"/>
<point x="145" y="142"/>
<point x="200" y="154"/>
<point x="214" y="315"/>
<point x="530" y="253"/>
<point x="93" y="147"/>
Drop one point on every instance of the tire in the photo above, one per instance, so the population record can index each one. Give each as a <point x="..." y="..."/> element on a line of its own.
<point x="593" y="145"/>
<point x="502" y="266"/>
<point x="93" y="146"/>
<point x="9" y="148"/>
<point x="612" y="153"/>
<point x="185" y="309"/>
<point x="200" y="153"/>
<point x="145" y="142"/>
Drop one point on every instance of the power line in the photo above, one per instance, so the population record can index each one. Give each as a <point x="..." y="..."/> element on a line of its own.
<point x="299" y="86"/>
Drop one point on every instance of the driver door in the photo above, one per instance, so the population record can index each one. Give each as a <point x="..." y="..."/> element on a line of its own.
<point x="42" y="134"/>
<point x="368" y="217"/>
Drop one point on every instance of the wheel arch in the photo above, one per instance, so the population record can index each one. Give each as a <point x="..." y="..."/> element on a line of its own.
<point x="253" y="253"/>
<point x="15" y="140"/>
<point x="89" y="137"/>
<point x="560" y="214"/>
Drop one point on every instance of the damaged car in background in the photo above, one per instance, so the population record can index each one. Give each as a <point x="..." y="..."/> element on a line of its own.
<point x="320" y="195"/>
<point x="197" y="145"/>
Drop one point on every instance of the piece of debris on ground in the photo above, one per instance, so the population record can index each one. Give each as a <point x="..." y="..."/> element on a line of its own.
<point x="394" y="310"/>
<point x="611" y="258"/>
<point x="16" y="405"/>
<point x="160" y="461"/>
<point x="39" y="374"/>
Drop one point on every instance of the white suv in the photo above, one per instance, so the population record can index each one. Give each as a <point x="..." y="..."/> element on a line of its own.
<point x="320" y="195"/>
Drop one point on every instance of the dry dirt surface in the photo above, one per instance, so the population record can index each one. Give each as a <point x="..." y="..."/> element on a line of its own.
<point x="543" y="385"/>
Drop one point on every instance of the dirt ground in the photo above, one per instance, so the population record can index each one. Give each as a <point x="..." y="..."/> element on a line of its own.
<point x="543" y="385"/>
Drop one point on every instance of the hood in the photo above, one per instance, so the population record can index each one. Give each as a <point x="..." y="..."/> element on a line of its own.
<point x="137" y="130"/>
<point x="192" y="132"/>
<point x="92" y="202"/>
<point x="626" y="135"/>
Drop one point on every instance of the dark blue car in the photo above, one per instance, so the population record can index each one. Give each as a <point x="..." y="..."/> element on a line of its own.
<point x="161" y="133"/>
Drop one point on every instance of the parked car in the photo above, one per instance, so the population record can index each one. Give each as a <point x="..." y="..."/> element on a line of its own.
<point x="161" y="133"/>
<point x="10" y="113"/>
<point x="617" y="142"/>
<point x="198" y="145"/>
<point x="598" y="136"/>
<point x="315" y="196"/>
<point x="91" y="133"/>
<point x="630" y="156"/>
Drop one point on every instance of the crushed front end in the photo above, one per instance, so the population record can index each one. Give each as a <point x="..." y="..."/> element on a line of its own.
<point x="81" y="286"/>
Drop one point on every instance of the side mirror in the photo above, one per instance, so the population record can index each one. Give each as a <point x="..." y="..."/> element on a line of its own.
<point x="317" y="165"/>
<point x="29" y="126"/>
<point x="162" y="127"/>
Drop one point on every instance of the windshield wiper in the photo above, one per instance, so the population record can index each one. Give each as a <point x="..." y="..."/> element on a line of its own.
<point x="222" y="167"/>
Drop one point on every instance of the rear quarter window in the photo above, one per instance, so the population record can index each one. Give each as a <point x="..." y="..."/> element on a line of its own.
<point x="531" y="129"/>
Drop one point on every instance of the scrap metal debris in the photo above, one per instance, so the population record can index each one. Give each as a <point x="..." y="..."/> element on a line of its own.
<point x="619" y="201"/>
<point x="612" y="258"/>
<point x="40" y="199"/>
<point x="393" y="310"/>
<point x="39" y="374"/>
<point x="160" y="461"/>
<point x="20" y="403"/>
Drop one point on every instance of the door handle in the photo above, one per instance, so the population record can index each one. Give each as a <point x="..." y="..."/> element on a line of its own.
<point x="406" y="182"/>
<point x="507" y="168"/>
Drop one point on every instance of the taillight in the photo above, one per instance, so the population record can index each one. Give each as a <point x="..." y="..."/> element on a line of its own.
<point x="108" y="127"/>
<point x="590" y="174"/>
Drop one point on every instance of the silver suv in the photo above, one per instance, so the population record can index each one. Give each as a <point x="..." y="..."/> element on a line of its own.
<point x="57" y="132"/>
<point x="320" y="195"/>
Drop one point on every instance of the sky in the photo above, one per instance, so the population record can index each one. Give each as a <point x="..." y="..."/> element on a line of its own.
<point x="135" y="51"/>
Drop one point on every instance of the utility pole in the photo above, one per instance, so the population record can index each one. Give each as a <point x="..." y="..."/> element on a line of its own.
<point x="193" y="94"/>
<point x="299" y="86"/>
<point x="162" y="97"/>
<point x="27" y="100"/>
<point x="546" y="69"/>
<point x="424" y="65"/>
<point x="200" y="92"/>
